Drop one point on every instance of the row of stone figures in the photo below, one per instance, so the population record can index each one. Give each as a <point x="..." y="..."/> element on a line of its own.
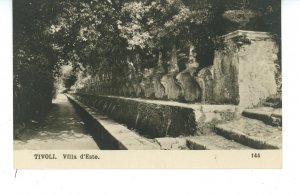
<point x="243" y="73"/>
<point x="187" y="85"/>
<point x="153" y="83"/>
<point x="183" y="86"/>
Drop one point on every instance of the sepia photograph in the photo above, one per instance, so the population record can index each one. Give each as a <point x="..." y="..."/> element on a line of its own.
<point x="147" y="75"/>
<point x="149" y="97"/>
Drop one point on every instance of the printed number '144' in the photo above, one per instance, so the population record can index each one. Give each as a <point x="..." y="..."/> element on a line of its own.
<point x="255" y="155"/>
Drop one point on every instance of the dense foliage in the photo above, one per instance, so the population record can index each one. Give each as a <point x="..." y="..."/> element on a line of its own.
<point x="106" y="37"/>
<point x="33" y="58"/>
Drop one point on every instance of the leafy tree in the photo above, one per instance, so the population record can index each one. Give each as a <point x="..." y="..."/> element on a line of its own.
<point x="111" y="38"/>
<point x="33" y="58"/>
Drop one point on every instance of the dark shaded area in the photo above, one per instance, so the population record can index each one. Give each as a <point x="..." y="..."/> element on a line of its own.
<point x="61" y="128"/>
<point x="33" y="59"/>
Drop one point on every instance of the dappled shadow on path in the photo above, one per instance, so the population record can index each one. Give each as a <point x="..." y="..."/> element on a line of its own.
<point x="61" y="129"/>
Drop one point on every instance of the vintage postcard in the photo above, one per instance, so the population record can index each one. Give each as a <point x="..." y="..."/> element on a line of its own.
<point x="147" y="84"/>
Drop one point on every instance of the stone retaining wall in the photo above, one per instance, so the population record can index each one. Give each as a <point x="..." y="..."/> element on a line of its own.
<point x="243" y="74"/>
<point x="153" y="118"/>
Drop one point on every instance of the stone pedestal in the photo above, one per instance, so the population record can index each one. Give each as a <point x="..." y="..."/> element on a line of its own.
<point x="204" y="80"/>
<point x="172" y="89"/>
<point x="190" y="88"/>
<point x="147" y="84"/>
<point x="244" y="68"/>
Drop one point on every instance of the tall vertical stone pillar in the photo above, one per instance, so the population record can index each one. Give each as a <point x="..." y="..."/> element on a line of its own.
<point x="186" y="79"/>
<point x="244" y="68"/>
<point x="172" y="90"/>
<point x="159" y="90"/>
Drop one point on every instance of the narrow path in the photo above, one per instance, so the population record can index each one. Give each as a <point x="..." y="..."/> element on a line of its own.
<point x="61" y="129"/>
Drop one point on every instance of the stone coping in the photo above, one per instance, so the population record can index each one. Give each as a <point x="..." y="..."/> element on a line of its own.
<point x="157" y="118"/>
<point x="126" y="139"/>
<point x="195" y="106"/>
<point x="252" y="35"/>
